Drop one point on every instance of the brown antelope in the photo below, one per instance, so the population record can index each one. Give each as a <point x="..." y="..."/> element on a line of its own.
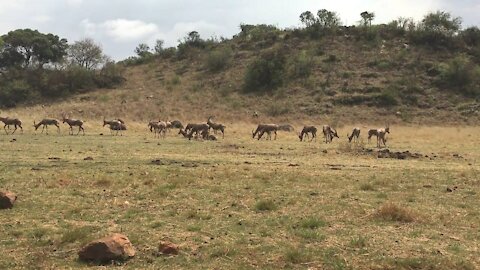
<point x="374" y="132"/>
<point x="265" y="128"/>
<point x="74" y="123"/>
<point x="355" y="135"/>
<point x="176" y="124"/>
<point x="197" y="129"/>
<point x="216" y="126"/>
<point x="183" y="132"/>
<point x="381" y="133"/>
<point x="117" y="125"/>
<point x="11" y="121"/>
<point x="329" y="133"/>
<point x="306" y="130"/>
<point x="47" y="122"/>
<point x="160" y="128"/>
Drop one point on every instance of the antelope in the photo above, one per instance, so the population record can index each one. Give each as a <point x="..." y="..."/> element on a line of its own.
<point x="118" y="127"/>
<point x="74" y="123"/>
<point x="151" y="125"/>
<point x="176" y="124"/>
<point x="197" y="129"/>
<point x="47" y="122"/>
<point x="329" y="133"/>
<point x="306" y="130"/>
<point x="268" y="128"/>
<point x="159" y="128"/>
<point x="355" y="134"/>
<point x="184" y="133"/>
<point x="207" y="136"/>
<point x="216" y="126"/>
<point x="374" y="132"/>
<point x="115" y="125"/>
<point x="11" y="121"/>
<point x="381" y="132"/>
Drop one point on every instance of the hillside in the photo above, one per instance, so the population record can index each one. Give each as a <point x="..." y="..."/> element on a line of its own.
<point x="339" y="79"/>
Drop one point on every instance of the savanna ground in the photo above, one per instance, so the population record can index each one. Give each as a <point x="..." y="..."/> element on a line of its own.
<point x="240" y="203"/>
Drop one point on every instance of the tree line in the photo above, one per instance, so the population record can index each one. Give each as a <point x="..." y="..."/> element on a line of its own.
<point x="35" y="66"/>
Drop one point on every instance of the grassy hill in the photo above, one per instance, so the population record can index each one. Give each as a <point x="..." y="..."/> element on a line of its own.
<point x="342" y="78"/>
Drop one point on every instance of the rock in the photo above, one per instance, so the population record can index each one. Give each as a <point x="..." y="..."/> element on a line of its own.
<point x="114" y="247"/>
<point x="168" y="248"/>
<point x="7" y="199"/>
<point x="88" y="158"/>
<point x="449" y="189"/>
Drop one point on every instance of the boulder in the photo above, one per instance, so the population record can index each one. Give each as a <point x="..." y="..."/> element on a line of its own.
<point x="168" y="248"/>
<point x="114" y="247"/>
<point x="7" y="199"/>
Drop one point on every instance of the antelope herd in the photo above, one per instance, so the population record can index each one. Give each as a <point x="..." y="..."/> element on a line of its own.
<point x="200" y="130"/>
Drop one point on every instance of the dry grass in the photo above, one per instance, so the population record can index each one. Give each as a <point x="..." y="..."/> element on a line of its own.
<point x="237" y="203"/>
<point x="392" y="212"/>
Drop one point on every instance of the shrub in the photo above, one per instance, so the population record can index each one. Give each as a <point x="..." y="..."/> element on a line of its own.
<point x="393" y="212"/>
<point x="461" y="74"/>
<point x="387" y="98"/>
<point x="265" y="205"/>
<point x="266" y="72"/>
<point x="302" y="66"/>
<point x="218" y="59"/>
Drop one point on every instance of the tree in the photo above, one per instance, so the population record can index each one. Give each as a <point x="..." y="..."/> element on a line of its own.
<point x="367" y="18"/>
<point x="442" y="23"/>
<point x="143" y="50"/>
<point x="86" y="54"/>
<point x="471" y="36"/>
<point x="327" y="19"/>
<point x="29" y="48"/>
<point x="159" y="46"/>
<point x="193" y="39"/>
<point x="307" y="18"/>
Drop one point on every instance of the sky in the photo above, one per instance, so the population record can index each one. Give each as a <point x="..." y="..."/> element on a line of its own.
<point x="120" y="25"/>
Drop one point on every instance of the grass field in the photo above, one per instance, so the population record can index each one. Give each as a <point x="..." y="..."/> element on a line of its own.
<point x="240" y="203"/>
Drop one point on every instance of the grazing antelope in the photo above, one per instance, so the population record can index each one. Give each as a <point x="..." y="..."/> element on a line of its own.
<point x="47" y="122"/>
<point x="216" y="126"/>
<point x="329" y="133"/>
<point x="11" y="121"/>
<point x="355" y="135"/>
<point x="306" y="130"/>
<point x="197" y="129"/>
<point x="207" y="136"/>
<point x="184" y="133"/>
<point x="268" y="128"/>
<point x="74" y="123"/>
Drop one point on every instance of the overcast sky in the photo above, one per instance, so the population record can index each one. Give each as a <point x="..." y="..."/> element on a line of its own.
<point x="120" y="25"/>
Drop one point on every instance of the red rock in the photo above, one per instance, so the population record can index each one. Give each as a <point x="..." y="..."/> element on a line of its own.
<point x="7" y="199"/>
<point x="168" y="248"/>
<point x="114" y="247"/>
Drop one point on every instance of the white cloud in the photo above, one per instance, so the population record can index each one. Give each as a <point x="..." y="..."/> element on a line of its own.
<point x="128" y="30"/>
<point x="89" y="28"/>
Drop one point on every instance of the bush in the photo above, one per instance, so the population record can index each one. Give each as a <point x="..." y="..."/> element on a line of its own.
<point x="266" y="72"/>
<point x="393" y="212"/>
<point x="461" y="74"/>
<point x="302" y="66"/>
<point x="218" y="59"/>
<point x="387" y="98"/>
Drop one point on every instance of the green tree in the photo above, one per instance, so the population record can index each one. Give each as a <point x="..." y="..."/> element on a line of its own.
<point x="159" y="46"/>
<point x="307" y="18"/>
<point x="29" y="48"/>
<point x="367" y="18"/>
<point x="441" y="22"/>
<point x="266" y="72"/>
<point x="86" y="54"/>
<point x="143" y="50"/>
<point x="327" y="19"/>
